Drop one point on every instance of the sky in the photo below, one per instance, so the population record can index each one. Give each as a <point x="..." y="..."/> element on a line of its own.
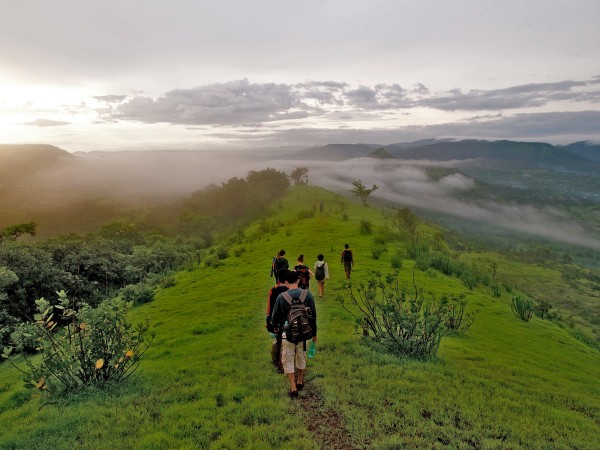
<point x="185" y="74"/>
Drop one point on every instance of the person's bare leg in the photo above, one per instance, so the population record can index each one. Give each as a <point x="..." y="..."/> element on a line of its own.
<point x="292" y="378"/>
<point x="300" y="376"/>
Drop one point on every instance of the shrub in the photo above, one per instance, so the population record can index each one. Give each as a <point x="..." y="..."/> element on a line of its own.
<point x="496" y="288"/>
<point x="167" y="282"/>
<point x="396" y="260"/>
<point x="212" y="261"/>
<point x="97" y="347"/>
<point x="522" y="307"/>
<point x="239" y="251"/>
<point x="423" y="261"/>
<point x="219" y="251"/>
<point x="24" y="337"/>
<point x="543" y="310"/>
<point x="137" y="293"/>
<point x="391" y="320"/>
<point x="365" y="227"/>
<point x="377" y="250"/>
<point x="458" y="320"/>
<point x="345" y="217"/>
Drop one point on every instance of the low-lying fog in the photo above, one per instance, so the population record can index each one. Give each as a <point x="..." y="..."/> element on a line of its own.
<point x="143" y="178"/>
<point x="407" y="183"/>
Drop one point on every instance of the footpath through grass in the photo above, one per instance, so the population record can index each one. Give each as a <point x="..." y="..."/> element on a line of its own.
<point x="207" y="381"/>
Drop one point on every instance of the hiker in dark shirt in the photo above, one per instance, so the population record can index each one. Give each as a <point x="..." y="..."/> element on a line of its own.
<point x="279" y="287"/>
<point x="347" y="260"/>
<point x="304" y="273"/>
<point x="279" y="262"/>
<point x="293" y="356"/>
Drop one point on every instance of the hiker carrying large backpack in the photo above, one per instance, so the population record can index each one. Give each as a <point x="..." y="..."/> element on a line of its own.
<point x="279" y="262"/>
<point x="297" y="318"/>
<point x="304" y="273"/>
<point x="347" y="259"/>
<point x="321" y="273"/>
<point x="279" y="288"/>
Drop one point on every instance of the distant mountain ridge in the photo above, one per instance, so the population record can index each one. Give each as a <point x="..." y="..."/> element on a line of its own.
<point x="20" y="160"/>
<point x="487" y="154"/>
<point x="585" y="149"/>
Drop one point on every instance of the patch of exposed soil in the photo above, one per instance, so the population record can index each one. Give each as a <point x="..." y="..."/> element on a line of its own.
<point x="324" y="423"/>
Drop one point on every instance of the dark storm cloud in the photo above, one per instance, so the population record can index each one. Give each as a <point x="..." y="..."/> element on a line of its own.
<point x="46" y="123"/>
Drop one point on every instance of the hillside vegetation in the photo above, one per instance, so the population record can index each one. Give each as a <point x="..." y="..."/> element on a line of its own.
<point x="208" y="381"/>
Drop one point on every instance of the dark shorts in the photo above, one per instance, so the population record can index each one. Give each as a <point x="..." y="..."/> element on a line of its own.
<point x="347" y="267"/>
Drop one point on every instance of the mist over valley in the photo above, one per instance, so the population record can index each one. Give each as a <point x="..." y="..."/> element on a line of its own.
<point x="533" y="189"/>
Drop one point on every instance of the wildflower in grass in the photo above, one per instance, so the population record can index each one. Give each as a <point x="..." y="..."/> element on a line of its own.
<point x="99" y="364"/>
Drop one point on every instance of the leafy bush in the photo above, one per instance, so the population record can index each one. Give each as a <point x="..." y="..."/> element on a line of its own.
<point x="24" y="335"/>
<point x="239" y="251"/>
<point x="167" y="282"/>
<point x="137" y="293"/>
<point x="219" y="251"/>
<point x="7" y="325"/>
<point x="391" y="320"/>
<point x="212" y="261"/>
<point x="365" y="227"/>
<point x="98" y="346"/>
<point x="522" y="307"/>
<point x="543" y="310"/>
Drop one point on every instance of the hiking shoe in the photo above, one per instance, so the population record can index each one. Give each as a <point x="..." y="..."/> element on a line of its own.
<point x="293" y="394"/>
<point x="299" y="386"/>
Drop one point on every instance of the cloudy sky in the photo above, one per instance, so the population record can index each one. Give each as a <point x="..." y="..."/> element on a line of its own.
<point x="139" y="74"/>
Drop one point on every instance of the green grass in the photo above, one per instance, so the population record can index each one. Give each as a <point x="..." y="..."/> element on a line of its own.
<point x="207" y="382"/>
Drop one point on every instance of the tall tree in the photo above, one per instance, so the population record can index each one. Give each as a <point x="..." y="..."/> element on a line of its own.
<point x="299" y="175"/>
<point x="14" y="231"/>
<point x="361" y="191"/>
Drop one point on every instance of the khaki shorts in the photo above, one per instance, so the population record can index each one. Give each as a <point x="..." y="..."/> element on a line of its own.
<point x="292" y="356"/>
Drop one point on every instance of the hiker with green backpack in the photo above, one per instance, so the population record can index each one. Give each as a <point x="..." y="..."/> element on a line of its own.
<point x="321" y="273"/>
<point x="294" y="317"/>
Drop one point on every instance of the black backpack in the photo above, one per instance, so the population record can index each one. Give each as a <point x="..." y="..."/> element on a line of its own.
<point x="299" y="329"/>
<point x="347" y="256"/>
<point x="320" y="272"/>
<point x="303" y="276"/>
<point x="279" y="263"/>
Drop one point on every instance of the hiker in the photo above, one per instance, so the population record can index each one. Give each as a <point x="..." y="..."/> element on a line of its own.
<point x="279" y="262"/>
<point x="321" y="273"/>
<point x="296" y="308"/>
<point x="347" y="260"/>
<point x="279" y="287"/>
<point x="304" y="273"/>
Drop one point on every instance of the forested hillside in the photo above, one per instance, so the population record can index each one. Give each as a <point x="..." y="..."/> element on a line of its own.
<point x="207" y="380"/>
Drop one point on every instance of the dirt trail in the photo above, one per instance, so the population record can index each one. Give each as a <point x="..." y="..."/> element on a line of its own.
<point x="324" y="423"/>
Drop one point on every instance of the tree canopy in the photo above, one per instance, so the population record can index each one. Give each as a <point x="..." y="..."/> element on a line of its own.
<point x="361" y="191"/>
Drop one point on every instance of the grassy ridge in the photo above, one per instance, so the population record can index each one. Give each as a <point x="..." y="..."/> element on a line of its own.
<point x="208" y="381"/>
